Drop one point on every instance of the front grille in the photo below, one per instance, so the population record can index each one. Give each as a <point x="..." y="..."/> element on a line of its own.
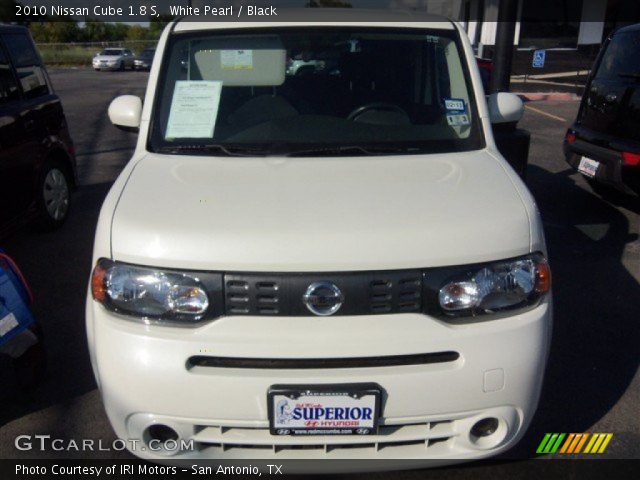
<point x="252" y="296"/>
<point x="322" y="363"/>
<point x="365" y="293"/>
<point x="420" y="438"/>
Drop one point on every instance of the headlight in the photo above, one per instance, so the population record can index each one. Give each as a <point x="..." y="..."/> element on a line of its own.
<point x="149" y="293"/>
<point x="496" y="286"/>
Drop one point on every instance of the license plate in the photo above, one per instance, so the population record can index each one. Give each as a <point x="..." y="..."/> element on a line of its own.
<point x="324" y="409"/>
<point x="588" y="167"/>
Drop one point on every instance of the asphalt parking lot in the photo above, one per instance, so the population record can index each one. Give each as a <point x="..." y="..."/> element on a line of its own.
<point x="592" y="382"/>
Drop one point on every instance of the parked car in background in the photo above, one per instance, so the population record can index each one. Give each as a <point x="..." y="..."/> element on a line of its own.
<point x="485" y="67"/>
<point x="145" y="59"/>
<point x="37" y="156"/>
<point x="345" y="263"/>
<point x="114" y="59"/>
<point x="604" y="142"/>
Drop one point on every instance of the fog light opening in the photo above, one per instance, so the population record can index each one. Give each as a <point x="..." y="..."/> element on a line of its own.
<point x="488" y="432"/>
<point x="160" y="434"/>
<point x="485" y="427"/>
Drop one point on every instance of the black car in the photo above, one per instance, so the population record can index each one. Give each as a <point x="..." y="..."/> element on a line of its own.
<point x="37" y="156"/>
<point x="604" y="142"/>
<point x="144" y="61"/>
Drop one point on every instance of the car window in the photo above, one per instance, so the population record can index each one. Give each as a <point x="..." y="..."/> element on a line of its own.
<point x="111" y="52"/>
<point x="9" y="89"/>
<point x="621" y="56"/>
<point x="25" y="59"/>
<point x="288" y="91"/>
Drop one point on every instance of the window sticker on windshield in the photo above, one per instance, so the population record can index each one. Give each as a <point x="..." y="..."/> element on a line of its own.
<point x="194" y="109"/>
<point x="456" y="112"/>
<point x="236" y="59"/>
<point x="454" y="105"/>
<point x="457" y="120"/>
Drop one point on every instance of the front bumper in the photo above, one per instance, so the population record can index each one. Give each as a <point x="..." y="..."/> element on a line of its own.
<point x="427" y="410"/>
<point x="101" y="66"/>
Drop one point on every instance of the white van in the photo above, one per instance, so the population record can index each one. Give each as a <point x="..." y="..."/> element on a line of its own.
<point x="332" y="265"/>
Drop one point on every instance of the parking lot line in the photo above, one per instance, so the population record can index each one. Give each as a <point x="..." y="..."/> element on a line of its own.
<point x="542" y="112"/>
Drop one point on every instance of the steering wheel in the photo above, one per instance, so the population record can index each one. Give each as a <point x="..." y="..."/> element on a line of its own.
<point x="384" y="106"/>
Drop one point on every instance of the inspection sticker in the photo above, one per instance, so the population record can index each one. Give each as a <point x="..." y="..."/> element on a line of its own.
<point x="454" y="105"/>
<point x="458" y="120"/>
<point x="236" y="59"/>
<point x="456" y="112"/>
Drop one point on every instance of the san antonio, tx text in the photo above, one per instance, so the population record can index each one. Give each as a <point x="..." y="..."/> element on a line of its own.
<point x="141" y="469"/>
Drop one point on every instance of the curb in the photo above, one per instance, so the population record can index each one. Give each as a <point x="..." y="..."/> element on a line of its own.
<point x="551" y="96"/>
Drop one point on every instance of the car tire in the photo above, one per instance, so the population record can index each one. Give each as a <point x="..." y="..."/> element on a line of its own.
<point x="53" y="196"/>
<point x="121" y="67"/>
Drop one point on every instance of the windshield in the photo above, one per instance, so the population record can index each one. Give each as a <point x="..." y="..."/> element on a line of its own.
<point x="111" y="51"/>
<point x="621" y="56"/>
<point x="315" y="90"/>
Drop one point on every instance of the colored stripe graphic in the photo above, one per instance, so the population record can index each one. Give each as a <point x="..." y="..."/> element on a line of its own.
<point x="567" y="443"/>
<point x="605" y="442"/>
<point x="592" y="441"/>
<point x="573" y="443"/>
<point x="550" y="443"/>
<point x="543" y="443"/>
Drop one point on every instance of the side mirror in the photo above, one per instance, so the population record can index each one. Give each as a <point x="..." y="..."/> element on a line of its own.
<point x="505" y="108"/>
<point x="125" y="112"/>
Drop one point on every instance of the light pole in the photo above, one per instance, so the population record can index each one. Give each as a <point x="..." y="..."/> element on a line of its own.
<point x="503" y="51"/>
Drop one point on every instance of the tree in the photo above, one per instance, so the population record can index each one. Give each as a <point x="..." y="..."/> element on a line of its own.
<point x="94" y="31"/>
<point x="157" y="25"/>
<point x="62" y="31"/>
<point x="39" y="32"/>
<point x="118" y="31"/>
<point x="137" y="33"/>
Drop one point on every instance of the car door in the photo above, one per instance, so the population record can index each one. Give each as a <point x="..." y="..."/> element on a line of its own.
<point x="15" y="145"/>
<point x="610" y="107"/>
<point x="37" y="109"/>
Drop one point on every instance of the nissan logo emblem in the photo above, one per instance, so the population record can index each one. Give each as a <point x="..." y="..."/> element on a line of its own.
<point x="323" y="298"/>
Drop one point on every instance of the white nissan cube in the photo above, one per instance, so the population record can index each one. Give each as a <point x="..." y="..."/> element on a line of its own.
<point x="332" y="262"/>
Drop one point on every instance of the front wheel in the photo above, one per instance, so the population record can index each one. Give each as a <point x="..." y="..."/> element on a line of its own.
<point x="53" y="196"/>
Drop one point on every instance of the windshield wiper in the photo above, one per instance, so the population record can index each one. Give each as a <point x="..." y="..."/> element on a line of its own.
<point x="212" y="147"/>
<point x="629" y="75"/>
<point x="350" y="149"/>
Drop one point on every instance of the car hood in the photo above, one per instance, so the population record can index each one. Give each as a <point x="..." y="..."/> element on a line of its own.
<point x="319" y="214"/>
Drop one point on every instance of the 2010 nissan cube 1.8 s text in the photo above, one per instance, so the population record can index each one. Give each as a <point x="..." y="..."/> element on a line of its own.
<point x="325" y="262"/>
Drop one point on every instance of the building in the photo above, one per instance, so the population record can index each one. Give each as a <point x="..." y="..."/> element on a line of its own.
<point x="551" y="24"/>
